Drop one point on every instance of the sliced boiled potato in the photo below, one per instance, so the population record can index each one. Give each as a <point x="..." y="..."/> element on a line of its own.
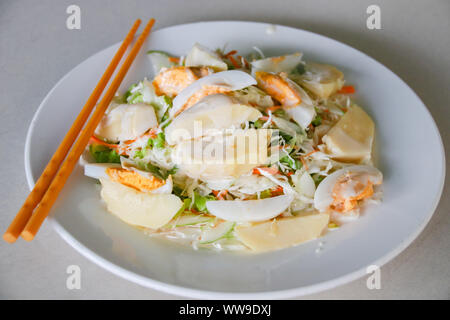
<point x="222" y="157"/>
<point x="350" y="139"/>
<point x="283" y="232"/>
<point x="212" y="112"/>
<point x="322" y="79"/>
<point x="126" y="122"/>
<point x="249" y="210"/>
<point x="139" y="208"/>
<point x="277" y="64"/>
<point x="200" y="56"/>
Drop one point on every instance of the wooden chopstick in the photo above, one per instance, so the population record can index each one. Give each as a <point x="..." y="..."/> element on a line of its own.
<point x="69" y="163"/>
<point x="35" y="196"/>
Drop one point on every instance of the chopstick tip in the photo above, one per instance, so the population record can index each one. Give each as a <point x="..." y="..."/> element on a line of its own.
<point x="151" y="22"/>
<point x="27" y="235"/>
<point x="8" y="237"/>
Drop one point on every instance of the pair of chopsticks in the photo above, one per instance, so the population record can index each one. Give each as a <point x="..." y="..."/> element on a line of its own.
<point x="46" y="190"/>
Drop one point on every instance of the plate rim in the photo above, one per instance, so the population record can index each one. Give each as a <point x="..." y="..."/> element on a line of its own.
<point x="208" y="294"/>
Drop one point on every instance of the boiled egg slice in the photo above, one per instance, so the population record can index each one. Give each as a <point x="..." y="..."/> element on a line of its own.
<point x="214" y="112"/>
<point x="341" y="190"/>
<point x="304" y="112"/>
<point x="220" y="82"/>
<point x="129" y="165"/>
<point x="140" y="180"/>
<point x="249" y="210"/>
<point x="132" y="177"/>
<point x="98" y="170"/>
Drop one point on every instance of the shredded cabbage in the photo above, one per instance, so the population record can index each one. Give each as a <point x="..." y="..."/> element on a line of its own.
<point x="297" y="160"/>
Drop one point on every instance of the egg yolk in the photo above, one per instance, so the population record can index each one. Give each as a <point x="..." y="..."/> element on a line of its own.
<point x="200" y="94"/>
<point x="349" y="190"/>
<point x="171" y="81"/>
<point x="134" y="180"/>
<point x="277" y="60"/>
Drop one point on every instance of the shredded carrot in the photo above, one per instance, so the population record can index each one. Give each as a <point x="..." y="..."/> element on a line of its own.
<point x="234" y="62"/>
<point x="194" y="210"/>
<point x="232" y="52"/>
<point x="304" y="163"/>
<point x="310" y="153"/>
<point x="274" y="108"/>
<point x="130" y="141"/>
<point x="347" y="90"/>
<point x="220" y="194"/>
<point x="152" y="133"/>
<point x="264" y="118"/>
<point x="94" y="139"/>
<point x="290" y="173"/>
<point x="276" y="192"/>
<point x="174" y="59"/>
<point x="302" y="158"/>
<point x="270" y="170"/>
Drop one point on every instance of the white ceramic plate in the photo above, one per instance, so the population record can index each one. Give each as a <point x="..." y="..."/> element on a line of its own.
<point x="410" y="155"/>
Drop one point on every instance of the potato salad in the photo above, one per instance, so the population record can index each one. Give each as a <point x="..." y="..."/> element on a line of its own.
<point x="226" y="151"/>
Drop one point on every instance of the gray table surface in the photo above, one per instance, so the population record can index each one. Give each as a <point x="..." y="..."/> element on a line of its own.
<point x="36" y="50"/>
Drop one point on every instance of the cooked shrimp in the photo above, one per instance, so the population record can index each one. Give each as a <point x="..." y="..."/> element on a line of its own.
<point x="170" y="82"/>
<point x="278" y="88"/>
